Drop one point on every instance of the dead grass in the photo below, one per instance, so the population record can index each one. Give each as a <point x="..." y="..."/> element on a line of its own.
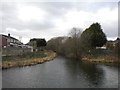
<point x="29" y="62"/>
<point x="102" y="59"/>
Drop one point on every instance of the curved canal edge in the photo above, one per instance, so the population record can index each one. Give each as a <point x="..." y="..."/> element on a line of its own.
<point x="29" y="62"/>
<point x="99" y="60"/>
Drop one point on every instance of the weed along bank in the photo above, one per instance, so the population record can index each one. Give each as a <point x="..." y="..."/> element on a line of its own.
<point x="37" y="58"/>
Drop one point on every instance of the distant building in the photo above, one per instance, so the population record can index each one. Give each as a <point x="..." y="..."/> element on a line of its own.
<point x="9" y="41"/>
<point x="112" y="44"/>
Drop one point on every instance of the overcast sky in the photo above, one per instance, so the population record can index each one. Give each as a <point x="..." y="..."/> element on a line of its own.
<point x="50" y="19"/>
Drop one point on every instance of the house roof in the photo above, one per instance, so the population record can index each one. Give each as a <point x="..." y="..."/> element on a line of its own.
<point x="10" y="37"/>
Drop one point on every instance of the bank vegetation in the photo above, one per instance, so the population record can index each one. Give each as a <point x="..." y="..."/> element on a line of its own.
<point x="82" y="45"/>
<point x="28" y="59"/>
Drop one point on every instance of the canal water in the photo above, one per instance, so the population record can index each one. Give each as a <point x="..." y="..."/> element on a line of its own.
<point x="61" y="73"/>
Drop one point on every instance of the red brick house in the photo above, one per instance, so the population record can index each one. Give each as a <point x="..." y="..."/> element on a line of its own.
<point x="9" y="41"/>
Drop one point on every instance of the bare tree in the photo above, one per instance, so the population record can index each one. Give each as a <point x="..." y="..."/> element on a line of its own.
<point x="75" y="35"/>
<point x="68" y="45"/>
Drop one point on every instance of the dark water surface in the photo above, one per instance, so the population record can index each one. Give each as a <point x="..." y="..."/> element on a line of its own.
<point x="61" y="73"/>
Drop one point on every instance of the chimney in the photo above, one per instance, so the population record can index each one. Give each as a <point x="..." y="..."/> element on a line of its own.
<point x="9" y="35"/>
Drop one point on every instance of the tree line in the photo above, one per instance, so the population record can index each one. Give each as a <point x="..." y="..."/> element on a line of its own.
<point x="78" y="44"/>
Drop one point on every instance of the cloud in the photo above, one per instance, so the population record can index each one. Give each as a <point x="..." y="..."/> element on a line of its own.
<point x="30" y="13"/>
<point x="21" y="17"/>
<point x="51" y="19"/>
<point x="108" y="18"/>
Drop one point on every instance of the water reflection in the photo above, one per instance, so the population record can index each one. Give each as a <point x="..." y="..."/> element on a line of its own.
<point x="91" y="71"/>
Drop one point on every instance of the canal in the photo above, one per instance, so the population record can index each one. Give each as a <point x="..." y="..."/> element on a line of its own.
<point x="61" y="73"/>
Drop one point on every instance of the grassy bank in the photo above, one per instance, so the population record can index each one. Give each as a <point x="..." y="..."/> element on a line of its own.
<point x="28" y="60"/>
<point x="102" y="59"/>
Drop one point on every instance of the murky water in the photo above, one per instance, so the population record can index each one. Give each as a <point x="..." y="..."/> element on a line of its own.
<point x="61" y="73"/>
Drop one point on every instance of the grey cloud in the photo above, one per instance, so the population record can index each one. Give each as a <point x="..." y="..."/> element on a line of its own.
<point x="11" y="20"/>
<point x="55" y="10"/>
<point x="113" y="32"/>
<point x="17" y="24"/>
